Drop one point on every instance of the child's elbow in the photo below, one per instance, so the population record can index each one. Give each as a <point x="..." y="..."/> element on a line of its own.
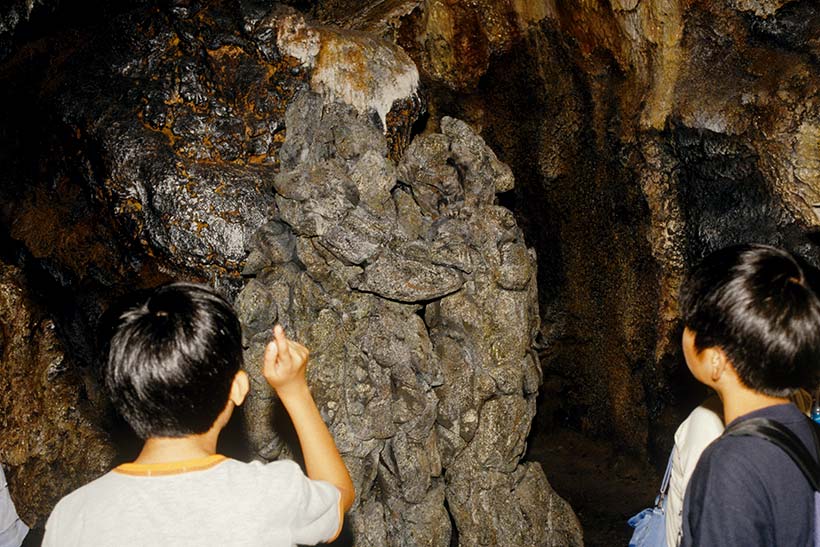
<point x="348" y="492"/>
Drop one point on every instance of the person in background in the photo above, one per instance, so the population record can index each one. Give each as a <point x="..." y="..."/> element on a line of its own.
<point x="703" y="425"/>
<point x="752" y="334"/>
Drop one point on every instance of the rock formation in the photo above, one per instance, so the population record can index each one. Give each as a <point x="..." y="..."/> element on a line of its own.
<point x="273" y="158"/>
<point x="642" y="135"/>
<point x="417" y="294"/>
<point x="52" y="439"/>
<point x="177" y="127"/>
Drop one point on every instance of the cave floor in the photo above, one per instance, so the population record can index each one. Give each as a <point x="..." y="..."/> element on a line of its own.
<point x="603" y="485"/>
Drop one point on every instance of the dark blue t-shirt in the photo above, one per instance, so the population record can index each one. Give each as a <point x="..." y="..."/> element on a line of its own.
<point x="746" y="491"/>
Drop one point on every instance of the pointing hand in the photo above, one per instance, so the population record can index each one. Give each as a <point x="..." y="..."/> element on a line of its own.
<point x="284" y="362"/>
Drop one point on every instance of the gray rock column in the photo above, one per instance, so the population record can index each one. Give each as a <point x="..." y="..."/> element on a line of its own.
<point x="416" y="294"/>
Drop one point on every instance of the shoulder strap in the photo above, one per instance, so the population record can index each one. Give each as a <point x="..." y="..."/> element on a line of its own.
<point x="778" y="434"/>
<point x="665" y="484"/>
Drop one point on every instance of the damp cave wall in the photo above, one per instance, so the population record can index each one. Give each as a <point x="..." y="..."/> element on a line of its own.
<point x="641" y="135"/>
<point x="247" y="148"/>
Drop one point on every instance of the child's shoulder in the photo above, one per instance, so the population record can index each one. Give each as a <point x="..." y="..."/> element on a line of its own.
<point x="278" y="468"/>
<point x="95" y="492"/>
<point x="741" y="455"/>
<point x="280" y="475"/>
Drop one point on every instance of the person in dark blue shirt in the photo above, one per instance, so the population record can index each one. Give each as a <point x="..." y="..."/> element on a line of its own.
<point x="752" y="333"/>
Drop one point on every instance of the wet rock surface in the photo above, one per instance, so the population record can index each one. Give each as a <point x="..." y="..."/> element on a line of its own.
<point x="416" y="294"/>
<point x="54" y="441"/>
<point x="642" y="135"/>
<point x="251" y="149"/>
<point x="184" y="133"/>
<point x="171" y="121"/>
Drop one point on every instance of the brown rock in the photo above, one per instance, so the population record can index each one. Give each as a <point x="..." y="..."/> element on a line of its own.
<point x="50" y="438"/>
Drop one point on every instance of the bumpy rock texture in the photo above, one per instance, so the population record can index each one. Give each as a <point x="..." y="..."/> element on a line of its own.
<point x="173" y="119"/>
<point x="184" y="140"/>
<point x="244" y="146"/>
<point x="54" y="441"/>
<point x="417" y="295"/>
<point x="642" y="135"/>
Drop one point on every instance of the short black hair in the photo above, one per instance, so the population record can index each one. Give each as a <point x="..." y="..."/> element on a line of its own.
<point x="171" y="360"/>
<point x="755" y="303"/>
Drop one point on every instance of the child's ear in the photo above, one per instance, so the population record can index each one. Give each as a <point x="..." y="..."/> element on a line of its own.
<point x="239" y="388"/>
<point x="717" y="363"/>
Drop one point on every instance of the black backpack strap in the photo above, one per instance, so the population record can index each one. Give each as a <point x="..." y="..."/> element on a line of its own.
<point x="780" y="435"/>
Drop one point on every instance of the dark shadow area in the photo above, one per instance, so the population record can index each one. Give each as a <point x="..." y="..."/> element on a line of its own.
<point x="54" y="17"/>
<point x="604" y="485"/>
<point x="233" y="441"/>
<point x="34" y="538"/>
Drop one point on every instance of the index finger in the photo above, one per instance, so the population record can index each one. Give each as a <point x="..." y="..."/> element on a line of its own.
<point x="282" y="343"/>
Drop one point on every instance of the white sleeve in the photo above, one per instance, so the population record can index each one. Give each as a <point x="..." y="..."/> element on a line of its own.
<point x="319" y="514"/>
<point x="697" y="431"/>
<point x="12" y="529"/>
<point x="51" y="535"/>
<point x="705" y="425"/>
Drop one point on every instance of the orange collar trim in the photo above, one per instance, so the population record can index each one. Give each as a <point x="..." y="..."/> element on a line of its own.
<point x="169" y="468"/>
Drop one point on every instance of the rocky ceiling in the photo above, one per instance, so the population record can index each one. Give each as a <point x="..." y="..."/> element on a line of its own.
<point x="313" y="160"/>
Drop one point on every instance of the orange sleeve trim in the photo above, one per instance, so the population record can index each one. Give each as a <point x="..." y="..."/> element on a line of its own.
<point x="169" y="468"/>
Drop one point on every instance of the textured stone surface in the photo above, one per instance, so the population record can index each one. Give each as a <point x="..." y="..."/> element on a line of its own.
<point x="162" y="143"/>
<point x="416" y="294"/>
<point x="194" y="146"/>
<point x="173" y="119"/>
<point x="642" y="135"/>
<point x="54" y="441"/>
<point x="455" y="42"/>
<point x="712" y="119"/>
<point x="353" y="67"/>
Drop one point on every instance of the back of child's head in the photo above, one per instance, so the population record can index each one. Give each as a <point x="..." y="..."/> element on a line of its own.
<point x="754" y="303"/>
<point x="171" y="360"/>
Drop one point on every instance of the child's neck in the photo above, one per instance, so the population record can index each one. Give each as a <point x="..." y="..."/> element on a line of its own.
<point x="190" y="447"/>
<point x="742" y="400"/>
<point x="167" y="449"/>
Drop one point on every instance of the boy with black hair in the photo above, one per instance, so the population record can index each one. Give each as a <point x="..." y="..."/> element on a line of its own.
<point x="174" y="373"/>
<point x="752" y="333"/>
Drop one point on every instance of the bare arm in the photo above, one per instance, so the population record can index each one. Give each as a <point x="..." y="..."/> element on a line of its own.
<point x="284" y="369"/>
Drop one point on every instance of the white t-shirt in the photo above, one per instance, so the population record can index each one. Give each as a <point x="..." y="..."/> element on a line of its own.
<point x="698" y="430"/>
<point x="12" y="529"/>
<point x="212" y="501"/>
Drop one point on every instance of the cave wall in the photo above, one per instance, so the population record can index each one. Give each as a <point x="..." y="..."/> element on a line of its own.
<point x="642" y="135"/>
<point x="52" y="431"/>
<point x="245" y="146"/>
